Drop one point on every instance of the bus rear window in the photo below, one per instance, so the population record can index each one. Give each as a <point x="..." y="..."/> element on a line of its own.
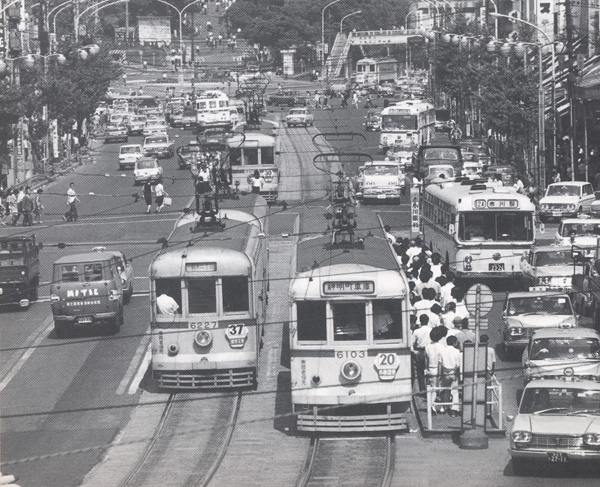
<point x="311" y="320"/>
<point x="235" y="294"/>
<point x="349" y="321"/>
<point x="387" y="319"/>
<point x="202" y="295"/>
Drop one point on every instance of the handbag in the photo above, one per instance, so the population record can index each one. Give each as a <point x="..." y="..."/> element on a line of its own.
<point x="167" y="201"/>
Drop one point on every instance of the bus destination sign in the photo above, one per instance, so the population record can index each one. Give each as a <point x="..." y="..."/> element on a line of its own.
<point x="496" y="204"/>
<point x="348" y="287"/>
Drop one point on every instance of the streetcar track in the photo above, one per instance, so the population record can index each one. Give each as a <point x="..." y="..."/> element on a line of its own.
<point x="327" y="462"/>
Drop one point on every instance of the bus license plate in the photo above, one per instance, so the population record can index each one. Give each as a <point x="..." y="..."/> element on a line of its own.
<point x="496" y="266"/>
<point x="557" y="457"/>
<point x="381" y="196"/>
<point x="84" y="319"/>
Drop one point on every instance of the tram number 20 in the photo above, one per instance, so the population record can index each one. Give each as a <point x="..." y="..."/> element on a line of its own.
<point x="350" y="353"/>
<point x="386" y="359"/>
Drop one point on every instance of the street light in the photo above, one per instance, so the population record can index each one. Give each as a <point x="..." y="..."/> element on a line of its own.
<point x="323" y="34"/>
<point x="95" y="6"/>
<point x="496" y="15"/>
<point x="56" y="10"/>
<point x="180" y="12"/>
<point x="349" y="15"/>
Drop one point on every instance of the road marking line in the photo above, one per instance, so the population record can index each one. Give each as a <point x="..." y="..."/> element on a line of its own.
<point x="141" y="371"/>
<point x="32" y="342"/>
<point x="133" y="365"/>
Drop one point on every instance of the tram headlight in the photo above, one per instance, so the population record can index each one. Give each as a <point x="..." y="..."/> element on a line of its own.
<point x="173" y="349"/>
<point x="351" y="371"/>
<point x="203" y="338"/>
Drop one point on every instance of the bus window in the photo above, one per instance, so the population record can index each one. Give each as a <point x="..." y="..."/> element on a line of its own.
<point x="169" y="286"/>
<point x="202" y="295"/>
<point x="387" y="319"/>
<point x="311" y="320"/>
<point x="349" y="321"/>
<point x="267" y="155"/>
<point x="251" y="156"/>
<point x="235" y="157"/>
<point x="212" y="104"/>
<point x="235" y="294"/>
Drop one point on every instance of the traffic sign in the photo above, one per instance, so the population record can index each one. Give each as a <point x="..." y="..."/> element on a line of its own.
<point x="486" y="299"/>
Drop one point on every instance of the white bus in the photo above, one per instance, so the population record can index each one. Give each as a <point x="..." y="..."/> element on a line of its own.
<point x="409" y="123"/>
<point x="213" y="111"/>
<point x="481" y="232"/>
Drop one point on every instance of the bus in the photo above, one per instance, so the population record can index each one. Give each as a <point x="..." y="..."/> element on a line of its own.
<point x="373" y="71"/>
<point x="216" y="272"/>
<point x="349" y="332"/>
<point x="481" y="232"/>
<point x="254" y="151"/>
<point x="213" y="111"/>
<point x="409" y="123"/>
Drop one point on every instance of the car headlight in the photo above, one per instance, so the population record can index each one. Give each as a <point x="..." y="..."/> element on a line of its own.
<point x="521" y="436"/>
<point x="571" y="206"/>
<point x="543" y="280"/>
<point x="544" y="206"/>
<point x="515" y="330"/>
<point x="592" y="439"/>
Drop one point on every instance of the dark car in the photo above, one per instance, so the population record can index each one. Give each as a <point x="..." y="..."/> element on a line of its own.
<point x="435" y="155"/>
<point x="373" y="121"/>
<point x="286" y="99"/>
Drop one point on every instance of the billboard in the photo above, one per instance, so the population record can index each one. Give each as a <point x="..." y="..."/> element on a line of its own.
<point x="154" y="29"/>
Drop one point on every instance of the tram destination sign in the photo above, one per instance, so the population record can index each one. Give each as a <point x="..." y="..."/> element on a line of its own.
<point x="348" y="287"/>
<point x="495" y="204"/>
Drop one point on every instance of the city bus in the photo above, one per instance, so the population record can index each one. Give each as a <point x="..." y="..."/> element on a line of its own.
<point x="349" y="333"/>
<point x="212" y="111"/>
<point x="216" y="273"/>
<point x="481" y="232"/>
<point x="254" y="151"/>
<point x="409" y="123"/>
<point x="373" y="71"/>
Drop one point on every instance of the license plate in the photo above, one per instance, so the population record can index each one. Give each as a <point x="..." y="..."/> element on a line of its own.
<point x="84" y="319"/>
<point x="557" y="457"/>
<point x="556" y="213"/>
<point x="381" y="196"/>
<point x="496" y="266"/>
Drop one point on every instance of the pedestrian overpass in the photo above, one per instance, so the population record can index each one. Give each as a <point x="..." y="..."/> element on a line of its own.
<point x="337" y="64"/>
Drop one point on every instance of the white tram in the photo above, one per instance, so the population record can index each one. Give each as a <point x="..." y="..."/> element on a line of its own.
<point x="373" y="71"/>
<point x="349" y="335"/>
<point x="409" y="124"/>
<point x="219" y="280"/>
<point x="213" y="111"/>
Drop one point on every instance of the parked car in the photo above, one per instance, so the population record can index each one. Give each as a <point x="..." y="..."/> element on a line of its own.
<point x="299" y="116"/>
<point x="571" y="198"/>
<point x="115" y="133"/>
<point x="147" y="169"/>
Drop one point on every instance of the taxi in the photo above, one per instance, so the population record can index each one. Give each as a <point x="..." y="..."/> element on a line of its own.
<point x="525" y="312"/>
<point x="373" y="121"/>
<point x="147" y="169"/>
<point x="159" y="145"/>
<point x="299" y="116"/>
<point x="379" y="180"/>
<point x="550" y="266"/>
<point x="128" y="154"/>
<point x="135" y="124"/>
<point x="579" y="233"/>
<point x="553" y="351"/>
<point x="558" y="422"/>
<point x="154" y="128"/>
<point x="116" y="132"/>
<point x="571" y="198"/>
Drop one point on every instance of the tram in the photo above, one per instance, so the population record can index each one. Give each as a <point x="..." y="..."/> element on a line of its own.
<point x="349" y="329"/>
<point x="373" y="71"/>
<point x="409" y="123"/>
<point x="214" y="268"/>
<point x="213" y="111"/>
<point x="255" y="151"/>
<point x="482" y="232"/>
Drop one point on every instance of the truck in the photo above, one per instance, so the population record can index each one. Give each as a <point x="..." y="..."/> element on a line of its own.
<point x="19" y="270"/>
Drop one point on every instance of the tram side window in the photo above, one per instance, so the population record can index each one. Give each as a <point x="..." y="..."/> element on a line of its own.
<point x="235" y="157"/>
<point x="267" y="156"/>
<point x="349" y="322"/>
<point x="202" y="295"/>
<point x="235" y="294"/>
<point x="312" y="320"/>
<point x="171" y="287"/>
<point x="251" y="156"/>
<point x="387" y="319"/>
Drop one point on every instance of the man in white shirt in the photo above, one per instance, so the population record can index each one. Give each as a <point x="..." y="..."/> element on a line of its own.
<point x="166" y="305"/>
<point x="412" y="251"/>
<point x="448" y="317"/>
<point x="434" y="315"/>
<point x="451" y="362"/>
<point x="425" y="304"/>
<point x="432" y="360"/>
<point x="419" y="340"/>
<point x="72" y="201"/>
<point x="446" y="290"/>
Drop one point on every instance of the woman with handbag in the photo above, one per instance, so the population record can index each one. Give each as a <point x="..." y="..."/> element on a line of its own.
<point x="159" y="192"/>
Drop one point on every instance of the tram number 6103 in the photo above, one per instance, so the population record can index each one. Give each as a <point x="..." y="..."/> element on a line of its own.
<point x="350" y="354"/>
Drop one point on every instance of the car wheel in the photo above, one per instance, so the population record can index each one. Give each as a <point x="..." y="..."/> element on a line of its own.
<point x="63" y="329"/>
<point x="116" y="323"/>
<point x="579" y="212"/>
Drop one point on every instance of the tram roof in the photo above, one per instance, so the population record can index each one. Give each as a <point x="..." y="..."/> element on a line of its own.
<point x="233" y="236"/>
<point x="462" y="196"/>
<point x="263" y="140"/>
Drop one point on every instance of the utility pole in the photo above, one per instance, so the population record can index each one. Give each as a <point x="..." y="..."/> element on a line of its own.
<point x="76" y="19"/>
<point x="127" y="22"/>
<point x="571" y="77"/>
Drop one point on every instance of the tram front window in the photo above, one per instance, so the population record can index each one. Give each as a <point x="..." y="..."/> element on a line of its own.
<point x="251" y="156"/>
<point x="171" y="287"/>
<point x="202" y="295"/>
<point x="235" y="157"/>
<point x="387" y="319"/>
<point x="349" y="321"/>
<point x="235" y="294"/>
<point x="267" y="155"/>
<point x="311" y="321"/>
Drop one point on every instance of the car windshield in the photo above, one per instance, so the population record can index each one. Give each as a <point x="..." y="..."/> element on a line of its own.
<point x="441" y="154"/>
<point x="540" y="305"/>
<point x="382" y="171"/>
<point x="580" y="229"/>
<point x="156" y="140"/>
<point x="476" y="226"/>
<point x="563" y="190"/>
<point x="565" y="349"/>
<point x="149" y="164"/>
<point x="138" y="119"/>
<point x="297" y="111"/>
<point x="131" y="150"/>
<point x="553" y="257"/>
<point x="478" y="149"/>
<point x="559" y="400"/>
<point x="470" y="157"/>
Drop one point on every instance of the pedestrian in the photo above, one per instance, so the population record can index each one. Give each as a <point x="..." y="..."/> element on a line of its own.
<point x="148" y="195"/>
<point x="448" y="317"/>
<point x="27" y="206"/>
<point x="432" y="363"/>
<point x="257" y="182"/>
<point x="369" y="103"/>
<point x="355" y="99"/>
<point x="427" y="301"/>
<point x="446" y="289"/>
<point x="388" y="235"/>
<point x="72" y="200"/>
<point x="455" y="134"/>
<point x="450" y="361"/>
<point x="38" y="206"/>
<point x="13" y="208"/>
<point x="459" y="297"/>
<point x="465" y="335"/>
<point x="556" y="178"/>
<point x="419" y="340"/>
<point x="159" y="193"/>
<point x="519" y="186"/>
<point x="20" y="196"/>
<point x="317" y="100"/>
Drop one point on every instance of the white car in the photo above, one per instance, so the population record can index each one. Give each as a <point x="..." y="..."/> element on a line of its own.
<point x="579" y="233"/>
<point x="549" y="266"/>
<point x="152" y="128"/>
<point x="136" y="124"/>
<point x="128" y="154"/>
<point x="379" y="180"/>
<point x="147" y="169"/>
<point x="159" y="145"/>
<point x="571" y="198"/>
<point x="299" y="116"/>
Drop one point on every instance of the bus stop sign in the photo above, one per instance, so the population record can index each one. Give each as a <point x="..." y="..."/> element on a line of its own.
<point x="486" y="300"/>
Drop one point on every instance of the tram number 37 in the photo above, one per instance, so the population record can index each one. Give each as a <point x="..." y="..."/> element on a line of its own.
<point x="351" y="353"/>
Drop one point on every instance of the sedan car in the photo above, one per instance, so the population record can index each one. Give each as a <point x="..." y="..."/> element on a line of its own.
<point x="571" y="198"/>
<point x="153" y="128"/>
<point x="128" y="154"/>
<point x="579" y="233"/>
<point x="550" y="266"/>
<point x="116" y="133"/>
<point x="159" y="145"/>
<point x="299" y="116"/>
<point x="373" y="121"/>
<point x="125" y="267"/>
<point x="136" y="124"/>
<point x="286" y="99"/>
<point x="189" y="154"/>
<point x="525" y="312"/>
<point x="553" y="352"/>
<point x="147" y="169"/>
